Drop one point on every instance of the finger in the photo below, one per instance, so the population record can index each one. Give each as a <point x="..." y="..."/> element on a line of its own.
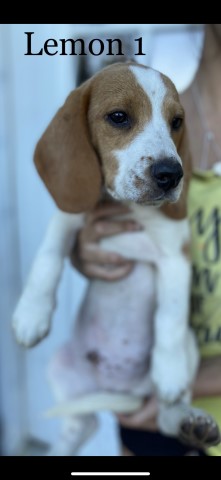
<point x="83" y="251"/>
<point x="92" y="253"/>
<point x="103" y="228"/>
<point x="91" y="270"/>
<point x="97" y="261"/>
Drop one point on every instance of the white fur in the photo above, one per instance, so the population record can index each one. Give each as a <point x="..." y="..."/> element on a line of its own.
<point x="32" y="317"/>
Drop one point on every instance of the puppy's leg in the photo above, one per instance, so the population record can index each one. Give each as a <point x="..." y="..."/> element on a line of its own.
<point x="32" y="317"/>
<point x="169" y="369"/>
<point x="70" y="377"/>
<point x="192" y="425"/>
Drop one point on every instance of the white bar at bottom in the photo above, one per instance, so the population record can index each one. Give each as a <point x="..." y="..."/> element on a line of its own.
<point x="92" y="474"/>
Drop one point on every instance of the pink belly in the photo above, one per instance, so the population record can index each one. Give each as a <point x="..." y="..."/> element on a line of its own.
<point x="114" y="328"/>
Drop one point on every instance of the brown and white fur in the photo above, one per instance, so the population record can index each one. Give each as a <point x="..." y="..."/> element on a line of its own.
<point x="131" y="336"/>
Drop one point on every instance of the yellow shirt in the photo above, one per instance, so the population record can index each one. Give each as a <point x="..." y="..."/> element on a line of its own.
<point x="204" y="210"/>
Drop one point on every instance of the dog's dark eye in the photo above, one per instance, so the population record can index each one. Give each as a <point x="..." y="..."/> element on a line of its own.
<point x="119" y="119"/>
<point x="176" y="123"/>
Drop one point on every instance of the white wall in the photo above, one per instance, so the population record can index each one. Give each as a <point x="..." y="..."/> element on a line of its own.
<point x="32" y="89"/>
<point x="11" y="358"/>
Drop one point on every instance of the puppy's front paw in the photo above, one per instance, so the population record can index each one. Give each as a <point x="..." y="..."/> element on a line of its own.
<point x="31" y="321"/>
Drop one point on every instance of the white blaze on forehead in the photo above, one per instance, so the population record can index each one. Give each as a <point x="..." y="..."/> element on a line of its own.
<point x="153" y="86"/>
<point x="157" y="128"/>
<point x="154" y="142"/>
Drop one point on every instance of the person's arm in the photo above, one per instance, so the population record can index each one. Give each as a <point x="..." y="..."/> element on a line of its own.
<point x="208" y="381"/>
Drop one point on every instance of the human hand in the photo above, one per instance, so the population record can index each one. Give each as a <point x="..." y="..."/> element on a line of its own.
<point x="88" y="257"/>
<point x="144" y="419"/>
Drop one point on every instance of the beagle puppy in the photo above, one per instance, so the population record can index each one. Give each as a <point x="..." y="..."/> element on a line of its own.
<point x="121" y="133"/>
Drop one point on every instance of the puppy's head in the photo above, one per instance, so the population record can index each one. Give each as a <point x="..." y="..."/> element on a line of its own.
<point x="123" y="130"/>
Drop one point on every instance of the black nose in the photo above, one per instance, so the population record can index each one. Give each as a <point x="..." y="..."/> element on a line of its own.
<point x="167" y="173"/>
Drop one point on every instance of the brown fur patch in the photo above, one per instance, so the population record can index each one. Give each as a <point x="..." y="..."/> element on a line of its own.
<point x="138" y="182"/>
<point x="171" y="89"/>
<point x="172" y="107"/>
<point x="110" y="170"/>
<point x="178" y="210"/>
<point x="65" y="158"/>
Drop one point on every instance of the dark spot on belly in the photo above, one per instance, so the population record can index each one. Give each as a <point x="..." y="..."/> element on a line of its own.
<point x="93" y="357"/>
<point x="125" y="341"/>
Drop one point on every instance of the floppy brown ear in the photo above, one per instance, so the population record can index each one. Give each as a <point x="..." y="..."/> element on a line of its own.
<point x="65" y="158"/>
<point x="178" y="210"/>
